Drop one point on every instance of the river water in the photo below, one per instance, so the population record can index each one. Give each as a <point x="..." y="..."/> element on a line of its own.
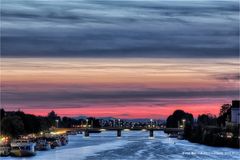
<point x="133" y="145"/>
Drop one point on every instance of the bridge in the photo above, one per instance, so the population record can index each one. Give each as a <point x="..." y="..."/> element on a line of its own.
<point x="88" y="130"/>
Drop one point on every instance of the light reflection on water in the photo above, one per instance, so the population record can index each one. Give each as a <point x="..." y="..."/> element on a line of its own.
<point x="133" y="145"/>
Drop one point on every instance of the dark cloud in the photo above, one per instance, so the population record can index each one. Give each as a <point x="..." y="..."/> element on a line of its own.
<point x="112" y="28"/>
<point x="228" y="77"/>
<point x="104" y="97"/>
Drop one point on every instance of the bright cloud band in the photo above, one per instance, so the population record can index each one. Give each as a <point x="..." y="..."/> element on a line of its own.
<point x="92" y="86"/>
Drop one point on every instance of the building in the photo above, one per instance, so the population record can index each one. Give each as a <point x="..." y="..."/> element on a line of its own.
<point x="235" y="112"/>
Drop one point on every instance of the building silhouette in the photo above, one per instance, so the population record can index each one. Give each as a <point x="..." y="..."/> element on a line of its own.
<point x="235" y="112"/>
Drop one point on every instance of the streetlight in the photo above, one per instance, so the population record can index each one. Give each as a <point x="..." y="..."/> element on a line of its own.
<point x="183" y="120"/>
<point x="151" y="120"/>
<point x="86" y="122"/>
<point x="119" y="122"/>
<point x="57" y="122"/>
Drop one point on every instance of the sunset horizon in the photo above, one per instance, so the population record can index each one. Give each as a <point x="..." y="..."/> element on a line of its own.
<point x="105" y="87"/>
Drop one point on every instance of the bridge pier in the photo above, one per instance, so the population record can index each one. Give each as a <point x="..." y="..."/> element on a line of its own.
<point x="151" y="133"/>
<point x="119" y="133"/>
<point x="86" y="133"/>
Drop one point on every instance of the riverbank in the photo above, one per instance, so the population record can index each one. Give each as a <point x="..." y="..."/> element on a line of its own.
<point x="214" y="136"/>
<point x="29" y="145"/>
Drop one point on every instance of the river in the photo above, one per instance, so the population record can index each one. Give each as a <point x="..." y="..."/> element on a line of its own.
<point x="133" y="145"/>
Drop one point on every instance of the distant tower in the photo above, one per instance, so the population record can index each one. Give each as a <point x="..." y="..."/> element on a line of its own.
<point x="235" y="112"/>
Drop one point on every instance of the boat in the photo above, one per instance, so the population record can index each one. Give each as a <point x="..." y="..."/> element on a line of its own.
<point x="4" y="150"/>
<point x="54" y="142"/>
<point x="57" y="142"/>
<point x="64" y="140"/>
<point x="22" y="148"/>
<point x="4" y="146"/>
<point x="42" y="145"/>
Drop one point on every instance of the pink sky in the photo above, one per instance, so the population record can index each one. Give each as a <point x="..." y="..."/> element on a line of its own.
<point x="124" y="88"/>
<point x="129" y="112"/>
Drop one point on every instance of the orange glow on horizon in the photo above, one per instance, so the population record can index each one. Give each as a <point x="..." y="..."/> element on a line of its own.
<point x="124" y="88"/>
<point x="129" y="112"/>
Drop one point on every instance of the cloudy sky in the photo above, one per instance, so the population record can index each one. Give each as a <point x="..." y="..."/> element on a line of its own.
<point x="129" y="58"/>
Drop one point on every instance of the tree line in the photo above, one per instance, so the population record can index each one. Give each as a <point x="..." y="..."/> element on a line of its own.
<point x="19" y="123"/>
<point x="207" y="128"/>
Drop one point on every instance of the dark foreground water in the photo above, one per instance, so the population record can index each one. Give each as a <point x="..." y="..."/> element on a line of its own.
<point x="133" y="145"/>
